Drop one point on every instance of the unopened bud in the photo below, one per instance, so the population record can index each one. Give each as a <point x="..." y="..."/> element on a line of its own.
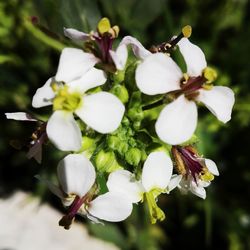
<point x="119" y="76"/>
<point x="113" y="142"/>
<point x="135" y="114"/>
<point x="133" y="156"/>
<point x="121" y="92"/>
<point x="106" y="161"/>
<point x="87" y="143"/>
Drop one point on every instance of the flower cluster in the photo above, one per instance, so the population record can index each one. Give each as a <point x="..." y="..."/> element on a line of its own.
<point x="125" y="123"/>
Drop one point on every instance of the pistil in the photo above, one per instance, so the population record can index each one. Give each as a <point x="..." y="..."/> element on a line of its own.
<point x="188" y="162"/>
<point x="167" y="47"/>
<point x="68" y="219"/>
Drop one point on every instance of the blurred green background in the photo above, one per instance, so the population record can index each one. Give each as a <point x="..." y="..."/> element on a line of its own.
<point x="28" y="57"/>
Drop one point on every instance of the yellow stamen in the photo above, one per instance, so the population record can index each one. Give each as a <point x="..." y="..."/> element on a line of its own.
<point x="179" y="163"/>
<point x="187" y="31"/>
<point x="65" y="100"/>
<point x="114" y="31"/>
<point x="103" y="25"/>
<point x="185" y="78"/>
<point x="210" y="74"/>
<point x="206" y="175"/>
<point x="54" y="86"/>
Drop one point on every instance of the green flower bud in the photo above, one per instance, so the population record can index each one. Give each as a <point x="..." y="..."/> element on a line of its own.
<point x="119" y="76"/>
<point x="87" y="143"/>
<point x="106" y="162"/>
<point x="113" y="142"/>
<point x="121" y="92"/>
<point x="135" y="114"/>
<point x="122" y="148"/>
<point x="133" y="156"/>
<point x="137" y="125"/>
<point x="118" y="145"/>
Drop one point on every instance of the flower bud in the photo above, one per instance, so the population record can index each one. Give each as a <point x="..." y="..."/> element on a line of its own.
<point x="121" y="92"/>
<point x="135" y="114"/>
<point x="113" y="142"/>
<point x="87" y="143"/>
<point x="106" y="162"/>
<point x="119" y="76"/>
<point x="133" y="156"/>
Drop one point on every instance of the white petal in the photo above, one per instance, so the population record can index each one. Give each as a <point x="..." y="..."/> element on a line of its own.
<point x="101" y="111"/>
<point x="123" y="182"/>
<point x="198" y="190"/>
<point x="157" y="171"/>
<point x="91" y="79"/>
<point x="110" y="207"/>
<point x="20" y="116"/>
<point x="211" y="165"/>
<point x="119" y="56"/>
<point x="137" y="47"/>
<point x="174" y="182"/>
<point x="76" y="35"/>
<point x="76" y="174"/>
<point x="64" y="132"/>
<point x="193" y="56"/>
<point x="158" y="74"/>
<point x="44" y="95"/>
<point x="73" y="64"/>
<point x="203" y="183"/>
<point x="219" y="100"/>
<point x="177" y="121"/>
<point x="184" y="185"/>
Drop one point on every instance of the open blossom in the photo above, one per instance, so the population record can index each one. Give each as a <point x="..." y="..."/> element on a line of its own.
<point x="76" y="189"/>
<point x="159" y="74"/>
<point x="195" y="172"/>
<point x="66" y="91"/>
<point x="155" y="179"/>
<point x="103" y="38"/>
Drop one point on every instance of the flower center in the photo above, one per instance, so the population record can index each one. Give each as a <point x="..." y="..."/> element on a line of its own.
<point x="65" y="100"/>
<point x="189" y="163"/>
<point x="67" y="219"/>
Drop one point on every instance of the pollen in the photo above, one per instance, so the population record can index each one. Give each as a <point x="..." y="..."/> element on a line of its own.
<point x="187" y="31"/>
<point x="210" y="74"/>
<point x="103" y="25"/>
<point x="179" y="163"/>
<point x="114" y="31"/>
<point x="206" y="175"/>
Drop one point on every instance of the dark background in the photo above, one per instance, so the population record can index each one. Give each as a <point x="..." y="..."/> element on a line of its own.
<point x="29" y="57"/>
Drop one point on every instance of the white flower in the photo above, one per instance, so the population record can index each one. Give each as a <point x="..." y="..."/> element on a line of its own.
<point x="195" y="172"/>
<point x="155" y="179"/>
<point x="159" y="74"/>
<point x="119" y="56"/>
<point x="76" y="176"/>
<point x="101" y="111"/>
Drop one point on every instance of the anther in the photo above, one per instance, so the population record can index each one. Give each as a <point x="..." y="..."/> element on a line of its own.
<point x="103" y="25"/>
<point x="187" y="31"/>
